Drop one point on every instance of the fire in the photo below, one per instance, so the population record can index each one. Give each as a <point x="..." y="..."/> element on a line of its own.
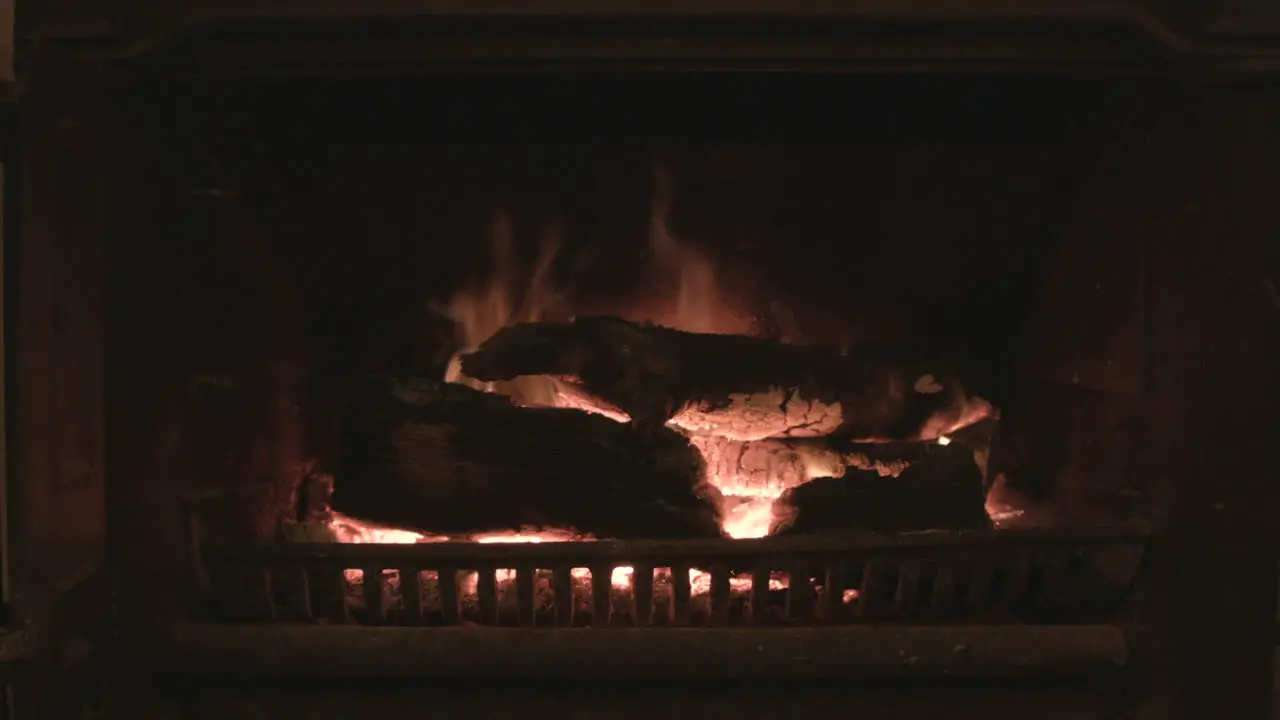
<point x="502" y="301"/>
<point x="699" y="304"/>
<point x="694" y="303"/>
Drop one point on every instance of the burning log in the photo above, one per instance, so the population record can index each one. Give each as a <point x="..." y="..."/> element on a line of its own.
<point x="443" y="458"/>
<point x="733" y="386"/>
<point x="763" y="468"/>
<point x="942" y="490"/>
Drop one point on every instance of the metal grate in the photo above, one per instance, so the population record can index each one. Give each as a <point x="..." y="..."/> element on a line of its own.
<point x="1001" y="576"/>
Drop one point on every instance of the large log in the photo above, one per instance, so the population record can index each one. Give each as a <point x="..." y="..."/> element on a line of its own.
<point x="443" y="458"/>
<point x="734" y="386"/>
<point x="940" y="490"/>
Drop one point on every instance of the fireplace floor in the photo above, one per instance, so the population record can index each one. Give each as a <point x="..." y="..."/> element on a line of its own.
<point x="623" y="701"/>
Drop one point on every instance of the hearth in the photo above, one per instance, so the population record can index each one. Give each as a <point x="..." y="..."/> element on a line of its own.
<point x="813" y="347"/>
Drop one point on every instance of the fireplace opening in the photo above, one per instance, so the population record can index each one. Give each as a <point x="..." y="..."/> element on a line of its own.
<point x="523" y="318"/>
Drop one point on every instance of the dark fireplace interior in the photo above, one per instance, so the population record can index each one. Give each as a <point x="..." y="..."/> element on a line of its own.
<point x="983" y="220"/>
<point x="876" y="384"/>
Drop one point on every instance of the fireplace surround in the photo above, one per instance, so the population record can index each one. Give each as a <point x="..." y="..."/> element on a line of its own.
<point x="204" y="190"/>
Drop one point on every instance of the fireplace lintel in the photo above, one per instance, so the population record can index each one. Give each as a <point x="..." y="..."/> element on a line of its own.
<point x="293" y="37"/>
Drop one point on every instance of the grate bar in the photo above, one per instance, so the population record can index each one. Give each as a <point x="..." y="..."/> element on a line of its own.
<point x="681" y="607"/>
<point x="799" y="594"/>
<point x="333" y="602"/>
<point x="944" y="589"/>
<point x="562" y="580"/>
<point x="373" y="587"/>
<point x="760" y="578"/>
<point x="487" y="594"/>
<point x="449" y="600"/>
<point x="833" y="594"/>
<point x="411" y="595"/>
<point x="642" y="595"/>
<point x="601" y="594"/>
<point x="525" y="579"/>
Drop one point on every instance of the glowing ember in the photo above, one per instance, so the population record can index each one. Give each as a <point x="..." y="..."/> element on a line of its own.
<point x="757" y="417"/>
<point x="528" y="537"/>
<point x="750" y="519"/>
<point x="350" y="530"/>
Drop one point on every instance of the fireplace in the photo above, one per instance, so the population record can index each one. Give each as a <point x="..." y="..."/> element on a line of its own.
<point x="468" y="349"/>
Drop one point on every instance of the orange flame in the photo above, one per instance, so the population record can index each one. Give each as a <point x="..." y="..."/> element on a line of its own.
<point x="506" y="299"/>
<point x="697" y="305"/>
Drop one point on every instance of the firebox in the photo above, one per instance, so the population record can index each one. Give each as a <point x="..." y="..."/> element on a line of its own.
<point x="855" y="357"/>
<point x="776" y="315"/>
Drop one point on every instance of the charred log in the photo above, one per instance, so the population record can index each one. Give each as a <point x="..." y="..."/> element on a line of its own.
<point x="940" y="491"/>
<point x="887" y="459"/>
<point x="734" y="386"/>
<point x="443" y="458"/>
